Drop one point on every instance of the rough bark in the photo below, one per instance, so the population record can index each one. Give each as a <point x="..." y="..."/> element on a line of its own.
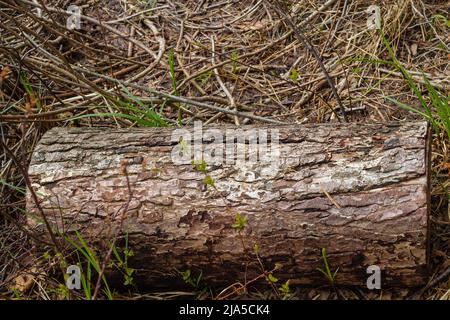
<point x="358" y="190"/>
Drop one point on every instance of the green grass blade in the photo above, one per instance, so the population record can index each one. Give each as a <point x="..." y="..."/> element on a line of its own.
<point x="409" y="108"/>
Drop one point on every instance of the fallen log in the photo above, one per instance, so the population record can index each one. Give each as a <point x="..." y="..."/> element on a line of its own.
<point x="358" y="190"/>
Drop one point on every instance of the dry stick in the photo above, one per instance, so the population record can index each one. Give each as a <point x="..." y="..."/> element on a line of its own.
<point x="27" y="31"/>
<point x="440" y="84"/>
<point x="440" y="278"/>
<point x="109" y="67"/>
<point x="181" y="64"/>
<point x="47" y="22"/>
<point x="140" y="13"/>
<point x="16" y="85"/>
<point x="86" y="83"/>
<point x="240" y="105"/>
<point x="302" y="38"/>
<point x="31" y="71"/>
<point x="62" y="60"/>
<point x="130" y="44"/>
<point x="265" y="48"/>
<point x="24" y="230"/>
<point x="70" y="75"/>
<point x="219" y="80"/>
<point x="242" y="286"/>
<point x="164" y="95"/>
<point x="95" y="21"/>
<point x="185" y="100"/>
<point x="33" y="194"/>
<point x="35" y="117"/>
<point x="162" y="48"/>
<point x="221" y="100"/>
<point x="155" y="92"/>
<point x="228" y="23"/>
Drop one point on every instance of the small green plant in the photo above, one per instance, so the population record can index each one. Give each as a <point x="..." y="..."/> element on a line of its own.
<point x="147" y="110"/>
<point x="194" y="282"/>
<point x="294" y="75"/>
<point x="29" y="90"/>
<point x="204" y="77"/>
<point x="327" y="271"/>
<point x="18" y="189"/>
<point x="172" y="74"/>
<point x="200" y="165"/>
<point x="271" y="279"/>
<point x="440" y="102"/>
<point x="239" y="223"/>
<point x="234" y="57"/>
<point x="62" y="291"/>
<point x="121" y="264"/>
<point x="144" y="114"/>
<point x="439" y="18"/>
<point x="17" y="295"/>
<point x="89" y="266"/>
<point x="187" y="278"/>
<point x="209" y="181"/>
<point x="285" y="291"/>
<point x="173" y="79"/>
<point x="92" y="263"/>
<point x="185" y="148"/>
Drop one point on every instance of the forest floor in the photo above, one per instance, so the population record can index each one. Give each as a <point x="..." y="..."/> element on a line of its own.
<point x="240" y="56"/>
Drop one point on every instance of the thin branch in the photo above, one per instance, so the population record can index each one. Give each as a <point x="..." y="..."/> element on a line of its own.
<point x="302" y="38"/>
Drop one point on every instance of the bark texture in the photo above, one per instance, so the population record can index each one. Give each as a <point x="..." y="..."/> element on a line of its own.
<point x="358" y="190"/>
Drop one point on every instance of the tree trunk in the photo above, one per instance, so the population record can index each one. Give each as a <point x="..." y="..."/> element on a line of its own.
<point x="358" y="190"/>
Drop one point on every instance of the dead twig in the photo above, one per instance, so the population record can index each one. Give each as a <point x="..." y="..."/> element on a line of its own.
<point x="302" y="38"/>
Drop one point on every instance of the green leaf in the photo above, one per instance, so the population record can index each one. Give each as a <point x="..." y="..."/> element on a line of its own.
<point x="271" y="278"/>
<point x="209" y="181"/>
<point x="200" y="165"/>
<point x="256" y="248"/>
<point x="204" y="77"/>
<point x="184" y="146"/>
<point x="46" y="255"/>
<point x="294" y="75"/>
<point x="18" y="189"/>
<point x="199" y="278"/>
<point x="278" y="266"/>
<point x="234" y="57"/>
<point x="286" y="291"/>
<point x="285" y="288"/>
<point x="327" y="271"/>
<point x="142" y="122"/>
<point x="186" y="275"/>
<point x="239" y="222"/>
<point x="172" y="71"/>
<point x="409" y="108"/>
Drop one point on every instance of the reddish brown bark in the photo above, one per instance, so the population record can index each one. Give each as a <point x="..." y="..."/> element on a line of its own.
<point x="358" y="190"/>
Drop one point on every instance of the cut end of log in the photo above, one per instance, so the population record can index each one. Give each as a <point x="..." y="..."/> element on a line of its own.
<point x="360" y="191"/>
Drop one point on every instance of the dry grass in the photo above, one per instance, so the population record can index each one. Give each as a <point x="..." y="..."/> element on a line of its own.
<point x="236" y="61"/>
